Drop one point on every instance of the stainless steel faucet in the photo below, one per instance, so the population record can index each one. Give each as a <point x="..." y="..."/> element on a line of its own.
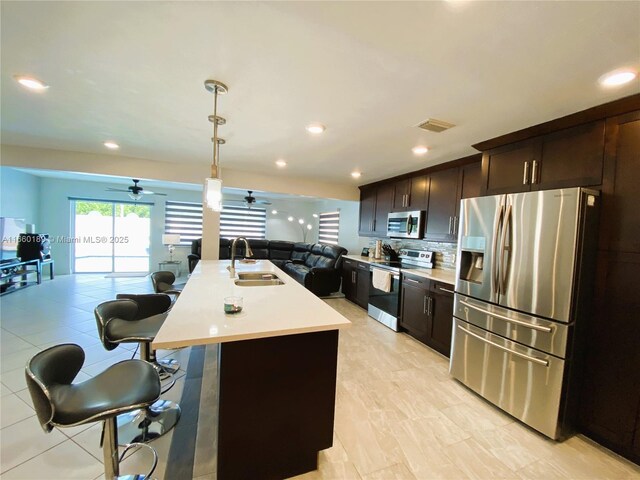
<point x="249" y="253"/>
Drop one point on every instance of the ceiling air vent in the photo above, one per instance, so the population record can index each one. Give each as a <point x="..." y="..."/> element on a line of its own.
<point x="433" y="125"/>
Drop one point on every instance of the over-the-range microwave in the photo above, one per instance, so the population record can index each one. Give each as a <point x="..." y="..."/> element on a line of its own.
<point x="406" y="224"/>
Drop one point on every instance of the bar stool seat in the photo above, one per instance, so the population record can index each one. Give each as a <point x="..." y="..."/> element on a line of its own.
<point x="80" y="403"/>
<point x="119" y="330"/>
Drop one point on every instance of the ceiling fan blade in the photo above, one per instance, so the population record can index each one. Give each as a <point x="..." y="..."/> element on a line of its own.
<point x="116" y="190"/>
<point x="263" y="202"/>
<point x="149" y="192"/>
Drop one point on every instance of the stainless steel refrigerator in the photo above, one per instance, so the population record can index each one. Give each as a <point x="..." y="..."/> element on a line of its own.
<point x="524" y="278"/>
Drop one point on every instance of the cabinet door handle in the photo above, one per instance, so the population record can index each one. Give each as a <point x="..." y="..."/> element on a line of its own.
<point x="406" y="200"/>
<point x="450" y="225"/>
<point x="525" y="177"/>
<point x="534" y="172"/>
<point x="411" y="280"/>
<point x="446" y="290"/>
<point x="424" y="305"/>
<point x="455" y="225"/>
<point x="429" y="306"/>
<point x="353" y="277"/>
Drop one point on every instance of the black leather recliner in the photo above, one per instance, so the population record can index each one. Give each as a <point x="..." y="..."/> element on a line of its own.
<point x="321" y="269"/>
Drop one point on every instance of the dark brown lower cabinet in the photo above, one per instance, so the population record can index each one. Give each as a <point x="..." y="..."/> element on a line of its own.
<point x="355" y="282"/>
<point x="362" y="287"/>
<point x="441" y="318"/>
<point x="414" y="317"/>
<point x="427" y="312"/>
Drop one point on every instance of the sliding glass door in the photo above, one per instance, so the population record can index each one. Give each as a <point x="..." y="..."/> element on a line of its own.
<point x="110" y="237"/>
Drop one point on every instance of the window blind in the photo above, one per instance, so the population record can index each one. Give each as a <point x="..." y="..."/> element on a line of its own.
<point x="185" y="219"/>
<point x="328" y="227"/>
<point x="240" y="221"/>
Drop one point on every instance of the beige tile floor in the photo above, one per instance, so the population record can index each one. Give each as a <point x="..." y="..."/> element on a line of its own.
<point x="398" y="414"/>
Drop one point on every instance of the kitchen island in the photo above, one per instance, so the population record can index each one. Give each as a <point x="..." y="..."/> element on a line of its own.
<point x="277" y="363"/>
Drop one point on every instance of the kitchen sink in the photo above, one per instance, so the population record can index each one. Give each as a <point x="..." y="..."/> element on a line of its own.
<point x="259" y="282"/>
<point x="257" y="276"/>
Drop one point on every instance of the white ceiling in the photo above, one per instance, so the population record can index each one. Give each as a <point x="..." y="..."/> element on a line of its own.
<point x="134" y="72"/>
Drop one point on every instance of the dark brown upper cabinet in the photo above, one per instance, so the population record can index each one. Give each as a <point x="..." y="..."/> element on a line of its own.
<point x="507" y="169"/>
<point x="443" y="206"/>
<point x="375" y="204"/>
<point x="402" y="194"/>
<point x="367" y="210"/>
<point x="572" y="157"/>
<point x="471" y="180"/>
<point x="411" y="194"/>
<point x="419" y="196"/>
<point x="384" y="205"/>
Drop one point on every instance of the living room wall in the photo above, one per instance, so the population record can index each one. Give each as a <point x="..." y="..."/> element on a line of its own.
<point x="19" y="195"/>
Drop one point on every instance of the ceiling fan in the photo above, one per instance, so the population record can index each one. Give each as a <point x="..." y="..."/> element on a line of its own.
<point x="135" y="191"/>
<point x="250" y="200"/>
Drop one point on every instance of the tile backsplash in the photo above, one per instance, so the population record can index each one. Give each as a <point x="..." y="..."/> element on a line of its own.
<point x="445" y="253"/>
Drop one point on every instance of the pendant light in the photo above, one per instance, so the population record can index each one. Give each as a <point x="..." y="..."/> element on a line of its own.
<point x="213" y="185"/>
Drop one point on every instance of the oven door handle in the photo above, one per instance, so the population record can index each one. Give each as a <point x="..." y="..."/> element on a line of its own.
<point x="508" y="319"/>
<point x="529" y="358"/>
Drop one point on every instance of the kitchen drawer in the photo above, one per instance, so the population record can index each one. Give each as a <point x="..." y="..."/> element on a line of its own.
<point x="416" y="281"/>
<point x="534" y="332"/>
<point x="362" y="266"/>
<point x="441" y="288"/>
<point x="523" y="382"/>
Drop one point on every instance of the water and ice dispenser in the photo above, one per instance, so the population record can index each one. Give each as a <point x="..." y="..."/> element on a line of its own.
<point x="472" y="251"/>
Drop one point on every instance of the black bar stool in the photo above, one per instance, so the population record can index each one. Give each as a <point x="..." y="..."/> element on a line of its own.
<point x="163" y="283"/>
<point x="119" y="321"/>
<point x="124" y="387"/>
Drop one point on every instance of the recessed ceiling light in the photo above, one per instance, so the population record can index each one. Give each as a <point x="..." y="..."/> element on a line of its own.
<point x="275" y="212"/>
<point x="281" y="163"/>
<point x="356" y="174"/>
<point x="315" y="215"/>
<point x="419" y="150"/>
<point x="617" y="77"/>
<point x="290" y="219"/>
<point x="111" y="145"/>
<point x="31" y="83"/>
<point x="315" y="128"/>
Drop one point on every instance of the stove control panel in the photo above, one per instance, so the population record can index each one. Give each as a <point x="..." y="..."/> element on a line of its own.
<point x="417" y="257"/>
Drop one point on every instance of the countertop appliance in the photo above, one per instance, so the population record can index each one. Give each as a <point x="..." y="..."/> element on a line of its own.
<point x="523" y="280"/>
<point x="405" y="224"/>
<point x="385" y="306"/>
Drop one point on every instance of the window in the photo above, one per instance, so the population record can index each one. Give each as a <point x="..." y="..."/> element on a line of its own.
<point x="328" y="227"/>
<point x="185" y="219"/>
<point x="110" y="236"/>
<point x="236" y="221"/>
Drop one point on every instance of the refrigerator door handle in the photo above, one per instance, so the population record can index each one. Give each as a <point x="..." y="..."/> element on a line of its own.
<point x="529" y="358"/>
<point x="494" y="267"/>
<point x="507" y="319"/>
<point x="503" y="250"/>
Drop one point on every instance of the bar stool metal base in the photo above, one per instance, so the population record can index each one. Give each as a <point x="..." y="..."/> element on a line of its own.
<point x="169" y="365"/>
<point x="143" y="426"/>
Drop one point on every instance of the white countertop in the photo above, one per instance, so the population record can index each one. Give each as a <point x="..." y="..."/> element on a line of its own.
<point x="198" y="316"/>
<point x="437" y="274"/>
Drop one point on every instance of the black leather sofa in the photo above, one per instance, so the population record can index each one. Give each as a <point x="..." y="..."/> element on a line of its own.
<point x="316" y="266"/>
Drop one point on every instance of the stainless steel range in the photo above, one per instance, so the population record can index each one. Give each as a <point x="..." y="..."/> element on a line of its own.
<point x="384" y="303"/>
<point x="523" y="280"/>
